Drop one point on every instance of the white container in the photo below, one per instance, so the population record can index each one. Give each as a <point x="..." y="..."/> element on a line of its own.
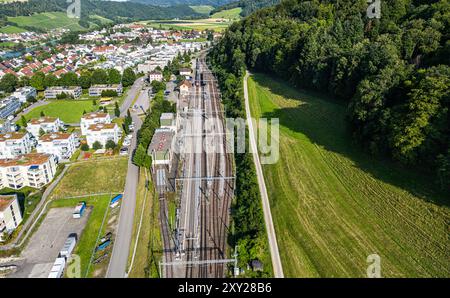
<point x="68" y="247"/>
<point x="58" y="268"/>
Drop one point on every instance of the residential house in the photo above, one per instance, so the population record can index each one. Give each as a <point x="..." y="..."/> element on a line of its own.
<point x="34" y="170"/>
<point x="93" y="118"/>
<point x="22" y="94"/>
<point x="47" y="124"/>
<point x="53" y="92"/>
<point x="10" y="215"/>
<point x="61" y="145"/>
<point x="155" y="76"/>
<point x="102" y="133"/>
<point x="14" y="144"/>
<point x="9" y="106"/>
<point x="96" y="90"/>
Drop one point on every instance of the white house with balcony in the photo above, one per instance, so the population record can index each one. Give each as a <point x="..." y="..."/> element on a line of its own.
<point x="14" y="144"/>
<point x="61" y="145"/>
<point x="93" y="118"/>
<point x="34" y="170"/>
<point x="97" y="90"/>
<point x="155" y="76"/>
<point x="10" y="215"/>
<point x="53" y="92"/>
<point x="102" y="133"/>
<point x="22" y="94"/>
<point x="47" y="124"/>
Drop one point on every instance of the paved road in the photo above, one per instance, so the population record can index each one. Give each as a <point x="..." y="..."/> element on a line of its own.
<point x="137" y="86"/>
<point x="118" y="264"/>
<point x="273" y="245"/>
<point x="34" y="105"/>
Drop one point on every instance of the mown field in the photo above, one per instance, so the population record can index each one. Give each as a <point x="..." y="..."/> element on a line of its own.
<point x="11" y="30"/>
<point x="333" y="205"/>
<point x="204" y="9"/>
<point x="69" y="111"/>
<point x="233" y="13"/>
<point x="106" y="176"/>
<point x="47" y="21"/>
<point x="202" y="24"/>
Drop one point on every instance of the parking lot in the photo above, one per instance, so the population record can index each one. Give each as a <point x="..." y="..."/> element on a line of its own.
<point x="44" y="246"/>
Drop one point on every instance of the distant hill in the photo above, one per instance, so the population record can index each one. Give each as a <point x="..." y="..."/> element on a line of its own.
<point x="247" y="6"/>
<point x="111" y="10"/>
<point x="215" y="3"/>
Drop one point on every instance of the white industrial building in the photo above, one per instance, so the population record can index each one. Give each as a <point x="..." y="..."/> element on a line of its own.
<point x="34" y="170"/>
<point x="93" y="118"/>
<point x="14" y="144"/>
<point x="47" y="124"/>
<point x="103" y="133"/>
<point x="61" y="145"/>
<point x="10" y="215"/>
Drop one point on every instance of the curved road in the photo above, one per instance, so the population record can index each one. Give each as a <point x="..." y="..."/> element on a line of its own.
<point x="273" y="245"/>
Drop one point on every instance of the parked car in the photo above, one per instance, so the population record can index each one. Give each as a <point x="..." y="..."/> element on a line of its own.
<point x="123" y="151"/>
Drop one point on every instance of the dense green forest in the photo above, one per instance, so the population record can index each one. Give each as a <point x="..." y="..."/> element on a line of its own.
<point x="393" y="72"/>
<point x="248" y="6"/>
<point x="117" y="11"/>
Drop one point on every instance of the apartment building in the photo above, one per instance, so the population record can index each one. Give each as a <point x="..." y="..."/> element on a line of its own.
<point x="61" y="145"/>
<point x="22" y="94"/>
<point x="103" y="133"/>
<point x="47" y="124"/>
<point x="34" y="170"/>
<point x="9" y="106"/>
<point x="53" y="92"/>
<point x="155" y="76"/>
<point x="14" y="144"/>
<point x="93" y="118"/>
<point x="10" y="215"/>
<point x="96" y="90"/>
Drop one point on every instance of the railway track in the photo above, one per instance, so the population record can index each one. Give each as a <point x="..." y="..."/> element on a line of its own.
<point x="207" y="217"/>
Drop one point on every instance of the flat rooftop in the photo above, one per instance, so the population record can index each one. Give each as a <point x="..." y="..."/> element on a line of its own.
<point x="25" y="160"/>
<point x="43" y="120"/>
<point x="94" y="115"/>
<point x="11" y="136"/>
<point x="162" y="140"/>
<point x="54" y="136"/>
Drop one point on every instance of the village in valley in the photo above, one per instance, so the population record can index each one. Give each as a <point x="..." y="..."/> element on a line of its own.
<point x="69" y="109"/>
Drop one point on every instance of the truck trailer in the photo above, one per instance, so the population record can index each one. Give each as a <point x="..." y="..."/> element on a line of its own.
<point x="58" y="268"/>
<point x="69" y="246"/>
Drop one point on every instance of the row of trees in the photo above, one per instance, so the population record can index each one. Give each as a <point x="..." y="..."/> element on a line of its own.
<point x="393" y="72"/>
<point x="150" y="124"/>
<point x="247" y="215"/>
<point x="40" y="81"/>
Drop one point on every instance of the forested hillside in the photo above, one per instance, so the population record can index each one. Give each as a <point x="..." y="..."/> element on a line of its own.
<point x="248" y="6"/>
<point x="108" y="9"/>
<point x="393" y="72"/>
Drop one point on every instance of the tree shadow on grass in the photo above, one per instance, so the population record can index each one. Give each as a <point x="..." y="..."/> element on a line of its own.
<point x="322" y="120"/>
